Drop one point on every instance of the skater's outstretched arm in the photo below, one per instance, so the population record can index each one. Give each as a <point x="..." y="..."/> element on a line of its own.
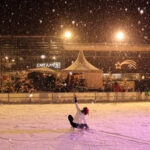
<point x="76" y="102"/>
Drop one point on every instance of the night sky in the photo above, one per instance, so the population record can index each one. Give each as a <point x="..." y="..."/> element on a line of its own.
<point x="94" y="21"/>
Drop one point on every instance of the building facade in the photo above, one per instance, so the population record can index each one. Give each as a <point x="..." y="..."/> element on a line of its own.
<point x="24" y="52"/>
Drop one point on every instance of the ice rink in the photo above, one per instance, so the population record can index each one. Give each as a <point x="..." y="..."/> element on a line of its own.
<point x="113" y="126"/>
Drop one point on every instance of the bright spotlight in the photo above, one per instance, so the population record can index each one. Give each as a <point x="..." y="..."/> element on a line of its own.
<point x="67" y="34"/>
<point x="120" y="36"/>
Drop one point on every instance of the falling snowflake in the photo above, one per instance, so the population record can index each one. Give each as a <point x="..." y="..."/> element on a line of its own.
<point x="12" y="13"/>
<point x="141" y="11"/>
<point x="126" y="9"/>
<point x="53" y="10"/>
<point x="139" y="22"/>
<point x="61" y="26"/>
<point x="142" y="29"/>
<point x="40" y="21"/>
<point x="91" y="11"/>
<point x="73" y="22"/>
<point x="145" y="37"/>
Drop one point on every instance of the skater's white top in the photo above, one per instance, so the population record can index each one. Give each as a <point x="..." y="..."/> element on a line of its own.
<point x="79" y="117"/>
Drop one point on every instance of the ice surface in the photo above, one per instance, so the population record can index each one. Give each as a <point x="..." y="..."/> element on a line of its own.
<point x="113" y="126"/>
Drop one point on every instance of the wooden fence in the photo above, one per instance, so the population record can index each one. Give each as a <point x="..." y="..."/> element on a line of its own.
<point x="68" y="97"/>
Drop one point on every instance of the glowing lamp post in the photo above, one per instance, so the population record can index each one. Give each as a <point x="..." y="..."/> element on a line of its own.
<point x="67" y="35"/>
<point x="120" y="36"/>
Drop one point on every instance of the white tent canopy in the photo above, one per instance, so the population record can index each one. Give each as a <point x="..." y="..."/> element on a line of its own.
<point x="92" y="75"/>
<point x="81" y="64"/>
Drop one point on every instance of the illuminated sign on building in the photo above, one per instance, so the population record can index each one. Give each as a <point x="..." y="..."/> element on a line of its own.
<point x="56" y="65"/>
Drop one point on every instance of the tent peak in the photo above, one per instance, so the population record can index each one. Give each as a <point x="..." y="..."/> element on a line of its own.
<point x="81" y="64"/>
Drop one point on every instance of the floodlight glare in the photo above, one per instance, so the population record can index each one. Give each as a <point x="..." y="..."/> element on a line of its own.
<point x="67" y="34"/>
<point x="120" y="36"/>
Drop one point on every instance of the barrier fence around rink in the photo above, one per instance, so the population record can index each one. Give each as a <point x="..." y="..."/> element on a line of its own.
<point x="68" y="97"/>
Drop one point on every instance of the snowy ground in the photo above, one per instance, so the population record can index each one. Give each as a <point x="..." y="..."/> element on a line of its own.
<point x="113" y="126"/>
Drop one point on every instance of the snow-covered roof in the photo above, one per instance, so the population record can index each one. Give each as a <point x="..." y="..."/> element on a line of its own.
<point x="81" y="64"/>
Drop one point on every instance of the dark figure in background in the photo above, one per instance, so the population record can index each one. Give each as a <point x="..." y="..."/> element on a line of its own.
<point x="116" y="87"/>
<point x="52" y="81"/>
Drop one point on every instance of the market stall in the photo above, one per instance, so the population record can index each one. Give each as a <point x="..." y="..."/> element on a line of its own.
<point x="86" y="72"/>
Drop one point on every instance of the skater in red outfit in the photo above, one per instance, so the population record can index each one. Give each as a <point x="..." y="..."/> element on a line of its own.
<point x="80" y="118"/>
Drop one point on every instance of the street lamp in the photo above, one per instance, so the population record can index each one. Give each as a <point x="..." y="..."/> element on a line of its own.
<point x="120" y="36"/>
<point x="67" y="35"/>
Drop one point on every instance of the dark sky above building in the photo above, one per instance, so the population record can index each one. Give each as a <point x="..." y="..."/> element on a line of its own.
<point x="94" y="21"/>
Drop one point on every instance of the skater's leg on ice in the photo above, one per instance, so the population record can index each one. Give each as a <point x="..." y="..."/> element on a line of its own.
<point x="74" y="125"/>
<point x="70" y="118"/>
<point x="82" y="126"/>
<point x="86" y="126"/>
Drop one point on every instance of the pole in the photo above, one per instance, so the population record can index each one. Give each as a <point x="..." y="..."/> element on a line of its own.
<point x="1" y="68"/>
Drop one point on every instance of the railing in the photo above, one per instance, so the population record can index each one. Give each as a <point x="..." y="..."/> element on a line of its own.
<point x="68" y="97"/>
